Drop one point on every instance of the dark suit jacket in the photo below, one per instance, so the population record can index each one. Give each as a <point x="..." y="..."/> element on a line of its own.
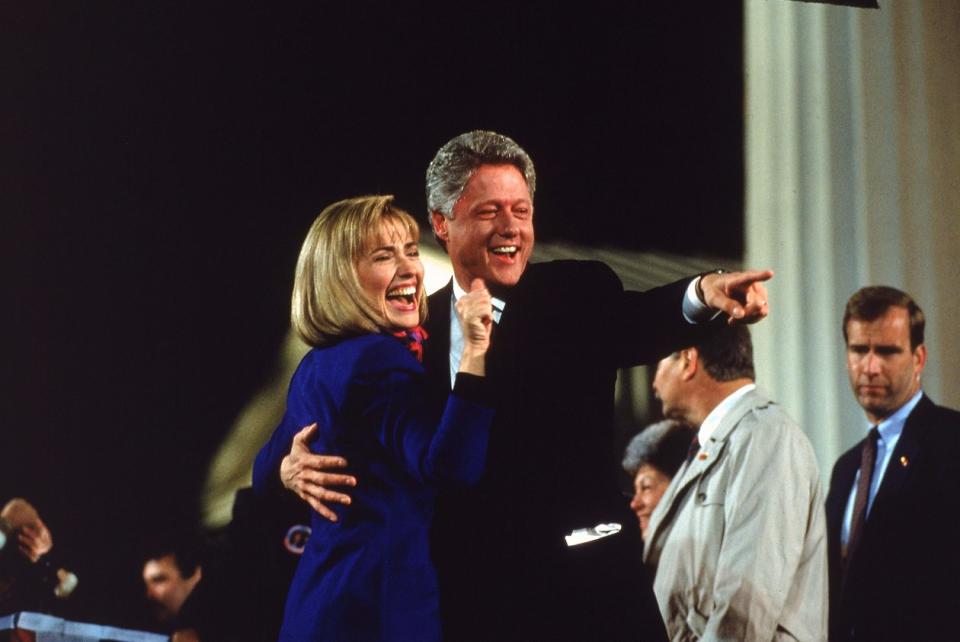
<point x="902" y="581"/>
<point x="505" y="572"/>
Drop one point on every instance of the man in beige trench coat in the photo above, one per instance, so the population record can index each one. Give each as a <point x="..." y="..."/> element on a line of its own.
<point x="738" y="541"/>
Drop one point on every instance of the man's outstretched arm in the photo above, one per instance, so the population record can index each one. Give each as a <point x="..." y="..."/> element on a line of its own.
<point x="646" y="326"/>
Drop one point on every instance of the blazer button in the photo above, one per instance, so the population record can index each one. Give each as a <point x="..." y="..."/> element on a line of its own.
<point x="701" y="497"/>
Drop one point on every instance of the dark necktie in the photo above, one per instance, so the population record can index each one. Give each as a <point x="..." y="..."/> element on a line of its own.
<point x="868" y="457"/>
<point x="413" y="339"/>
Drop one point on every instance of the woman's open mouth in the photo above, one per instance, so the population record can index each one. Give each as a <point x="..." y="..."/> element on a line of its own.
<point x="403" y="298"/>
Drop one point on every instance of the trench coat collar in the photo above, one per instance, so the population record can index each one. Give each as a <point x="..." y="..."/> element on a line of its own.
<point x="702" y="462"/>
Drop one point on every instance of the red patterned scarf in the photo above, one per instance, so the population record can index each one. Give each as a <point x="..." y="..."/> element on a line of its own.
<point x="413" y="339"/>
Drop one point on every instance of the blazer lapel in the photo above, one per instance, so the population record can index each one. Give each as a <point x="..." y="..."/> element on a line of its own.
<point x="839" y="495"/>
<point x="663" y="513"/>
<point x="436" y="349"/>
<point x="905" y="455"/>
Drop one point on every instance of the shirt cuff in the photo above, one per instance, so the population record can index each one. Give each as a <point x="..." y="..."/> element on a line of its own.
<point x="471" y="387"/>
<point x="695" y="310"/>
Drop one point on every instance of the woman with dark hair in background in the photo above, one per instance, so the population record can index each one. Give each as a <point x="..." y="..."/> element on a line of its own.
<point x="652" y="458"/>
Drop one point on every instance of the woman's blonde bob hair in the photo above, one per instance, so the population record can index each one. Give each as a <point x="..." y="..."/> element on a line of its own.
<point x="328" y="302"/>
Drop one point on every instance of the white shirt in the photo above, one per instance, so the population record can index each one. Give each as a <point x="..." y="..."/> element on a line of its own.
<point x="694" y="311"/>
<point x="710" y="423"/>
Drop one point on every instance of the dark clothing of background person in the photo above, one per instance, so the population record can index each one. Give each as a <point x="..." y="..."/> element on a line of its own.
<point x="902" y="583"/>
<point x="24" y="586"/>
<point x="247" y="571"/>
<point x="28" y="577"/>
<point x="504" y="569"/>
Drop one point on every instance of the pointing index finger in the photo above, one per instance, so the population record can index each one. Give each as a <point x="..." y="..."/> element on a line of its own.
<point x="746" y="277"/>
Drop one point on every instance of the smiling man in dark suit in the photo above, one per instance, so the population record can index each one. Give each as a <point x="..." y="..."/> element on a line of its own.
<point x="891" y="510"/>
<point x="562" y="330"/>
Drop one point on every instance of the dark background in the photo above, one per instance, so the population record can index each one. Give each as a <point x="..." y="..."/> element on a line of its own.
<point x="162" y="161"/>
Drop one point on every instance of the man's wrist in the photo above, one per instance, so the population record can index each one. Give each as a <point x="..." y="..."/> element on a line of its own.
<point x="698" y="284"/>
<point x="473" y="361"/>
<point x="695" y="309"/>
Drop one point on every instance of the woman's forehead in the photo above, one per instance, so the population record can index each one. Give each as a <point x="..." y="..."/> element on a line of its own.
<point x="390" y="231"/>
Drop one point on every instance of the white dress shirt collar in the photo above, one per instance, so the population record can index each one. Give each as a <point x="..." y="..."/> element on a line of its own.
<point x="709" y="425"/>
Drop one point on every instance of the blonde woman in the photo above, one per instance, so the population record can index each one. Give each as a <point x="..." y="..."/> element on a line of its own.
<point x="358" y="299"/>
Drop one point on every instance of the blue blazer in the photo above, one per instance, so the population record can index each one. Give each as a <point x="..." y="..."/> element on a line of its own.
<point x="369" y="576"/>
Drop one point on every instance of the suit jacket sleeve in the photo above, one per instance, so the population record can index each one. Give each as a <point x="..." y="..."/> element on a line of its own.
<point x="645" y="326"/>
<point x="770" y="509"/>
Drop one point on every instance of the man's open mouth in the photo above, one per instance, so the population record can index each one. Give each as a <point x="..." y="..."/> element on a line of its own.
<point x="506" y="251"/>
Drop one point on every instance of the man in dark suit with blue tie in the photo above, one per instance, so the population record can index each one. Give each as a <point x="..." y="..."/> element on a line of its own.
<point x="892" y="523"/>
<point x="562" y="330"/>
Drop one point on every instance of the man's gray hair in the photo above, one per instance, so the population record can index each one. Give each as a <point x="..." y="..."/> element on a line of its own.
<point x="456" y="162"/>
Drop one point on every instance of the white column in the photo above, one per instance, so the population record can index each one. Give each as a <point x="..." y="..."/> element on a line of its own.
<point x="852" y="179"/>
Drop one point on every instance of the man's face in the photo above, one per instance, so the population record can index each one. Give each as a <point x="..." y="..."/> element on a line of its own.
<point x="166" y="587"/>
<point x="884" y="371"/>
<point x="491" y="233"/>
<point x="667" y="385"/>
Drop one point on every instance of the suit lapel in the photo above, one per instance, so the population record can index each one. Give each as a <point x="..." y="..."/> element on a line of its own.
<point x="499" y="367"/>
<point x="436" y="350"/>
<point x="673" y="498"/>
<point x="841" y="486"/>
<point x="518" y="320"/>
<point x="905" y="456"/>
